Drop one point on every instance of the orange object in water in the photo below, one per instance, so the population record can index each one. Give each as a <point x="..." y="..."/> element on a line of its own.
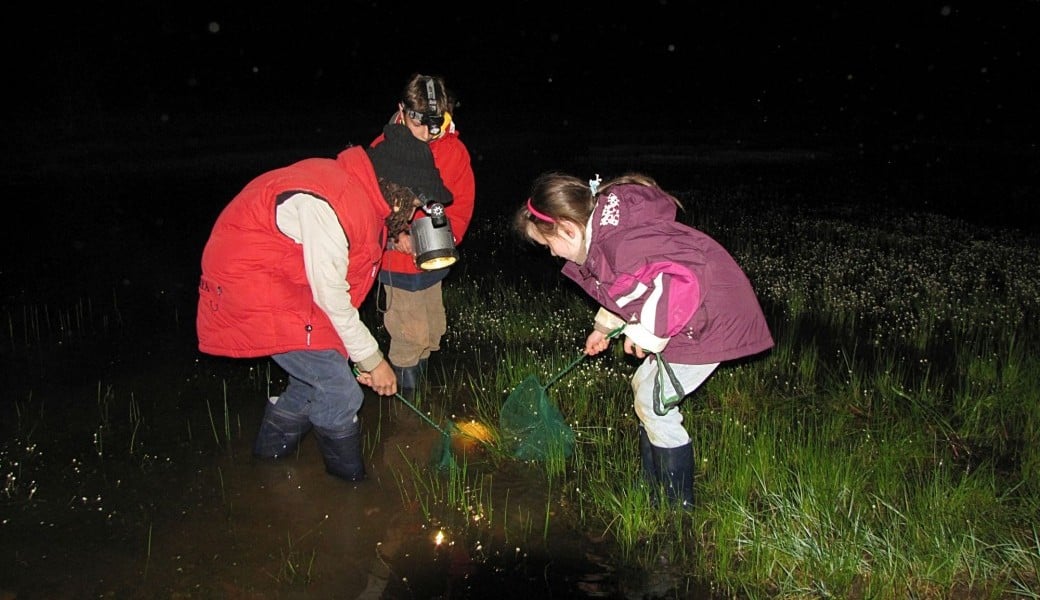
<point x="470" y="434"/>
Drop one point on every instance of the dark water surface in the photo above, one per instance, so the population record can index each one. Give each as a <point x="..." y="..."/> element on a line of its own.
<point x="126" y="453"/>
<point x="140" y="484"/>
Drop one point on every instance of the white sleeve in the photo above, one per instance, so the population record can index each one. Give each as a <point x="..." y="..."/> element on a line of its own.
<point x="312" y="223"/>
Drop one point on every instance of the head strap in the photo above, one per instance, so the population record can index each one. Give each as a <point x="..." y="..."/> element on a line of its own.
<point x="431" y="95"/>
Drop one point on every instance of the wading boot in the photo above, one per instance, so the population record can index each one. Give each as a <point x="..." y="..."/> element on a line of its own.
<point x="407" y="381"/>
<point x="342" y="454"/>
<point x="280" y="432"/>
<point x="675" y="473"/>
<point x="646" y="458"/>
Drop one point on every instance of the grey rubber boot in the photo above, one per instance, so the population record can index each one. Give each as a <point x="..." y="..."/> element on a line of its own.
<point x="280" y="433"/>
<point x="342" y="455"/>
<point x="675" y="472"/>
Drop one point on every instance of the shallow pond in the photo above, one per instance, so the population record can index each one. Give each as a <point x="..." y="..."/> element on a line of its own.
<point x="126" y="454"/>
<point x="129" y="475"/>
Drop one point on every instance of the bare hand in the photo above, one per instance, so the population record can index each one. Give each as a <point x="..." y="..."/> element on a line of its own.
<point x="596" y="342"/>
<point x="381" y="379"/>
<point x="633" y="348"/>
<point x="404" y="243"/>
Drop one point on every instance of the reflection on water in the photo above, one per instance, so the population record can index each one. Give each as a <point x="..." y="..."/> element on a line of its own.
<point x="145" y="487"/>
<point x="126" y="453"/>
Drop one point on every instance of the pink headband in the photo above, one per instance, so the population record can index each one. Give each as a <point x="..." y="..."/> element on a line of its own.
<point x="538" y="215"/>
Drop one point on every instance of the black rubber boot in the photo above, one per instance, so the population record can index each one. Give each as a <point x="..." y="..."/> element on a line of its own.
<point x="280" y="433"/>
<point x="342" y="455"/>
<point x="675" y="472"/>
<point x="407" y="381"/>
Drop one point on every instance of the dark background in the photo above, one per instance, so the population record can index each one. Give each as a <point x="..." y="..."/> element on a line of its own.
<point x="923" y="68"/>
<point x="128" y="125"/>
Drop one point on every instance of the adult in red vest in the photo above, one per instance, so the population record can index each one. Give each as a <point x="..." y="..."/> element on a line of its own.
<point x="414" y="307"/>
<point x="287" y="265"/>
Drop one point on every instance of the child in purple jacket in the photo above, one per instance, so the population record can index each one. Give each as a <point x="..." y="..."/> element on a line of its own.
<point x="684" y="303"/>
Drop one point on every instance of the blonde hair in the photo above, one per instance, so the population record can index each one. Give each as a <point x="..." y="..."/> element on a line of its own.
<point x="557" y="197"/>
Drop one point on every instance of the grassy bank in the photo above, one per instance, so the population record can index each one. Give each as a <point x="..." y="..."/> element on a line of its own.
<point x="887" y="447"/>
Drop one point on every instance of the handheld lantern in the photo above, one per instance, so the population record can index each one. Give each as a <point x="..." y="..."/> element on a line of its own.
<point x="432" y="239"/>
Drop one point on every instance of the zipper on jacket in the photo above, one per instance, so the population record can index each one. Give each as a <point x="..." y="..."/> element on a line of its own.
<point x="309" y="328"/>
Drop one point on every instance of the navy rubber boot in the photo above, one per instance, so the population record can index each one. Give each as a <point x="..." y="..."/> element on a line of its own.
<point x="280" y="433"/>
<point x="675" y="472"/>
<point x="342" y="455"/>
<point x="646" y="457"/>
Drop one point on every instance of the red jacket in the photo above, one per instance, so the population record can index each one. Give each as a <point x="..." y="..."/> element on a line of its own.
<point x="452" y="159"/>
<point x="254" y="298"/>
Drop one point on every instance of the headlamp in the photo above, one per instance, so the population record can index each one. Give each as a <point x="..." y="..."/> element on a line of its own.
<point x="435" y="117"/>
<point x="434" y="122"/>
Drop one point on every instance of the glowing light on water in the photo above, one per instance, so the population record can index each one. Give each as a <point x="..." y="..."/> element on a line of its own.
<point x="438" y="539"/>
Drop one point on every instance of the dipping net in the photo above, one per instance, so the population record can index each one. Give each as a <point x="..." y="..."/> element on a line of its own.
<point x="532" y="427"/>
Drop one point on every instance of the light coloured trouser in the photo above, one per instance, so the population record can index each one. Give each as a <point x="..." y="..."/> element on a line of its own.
<point x="415" y="322"/>
<point x="666" y="431"/>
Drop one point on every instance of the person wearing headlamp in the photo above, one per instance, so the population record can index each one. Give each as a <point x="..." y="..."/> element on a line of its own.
<point x="413" y="310"/>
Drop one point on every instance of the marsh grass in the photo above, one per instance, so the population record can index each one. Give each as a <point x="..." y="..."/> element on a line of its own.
<point x="517" y="528"/>
<point x="296" y="563"/>
<point x="456" y="500"/>
<point x="887" y="446"/>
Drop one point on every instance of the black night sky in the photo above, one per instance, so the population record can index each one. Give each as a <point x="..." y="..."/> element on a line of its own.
<point x="128" y="93"/>
<point x="816" y="69"/>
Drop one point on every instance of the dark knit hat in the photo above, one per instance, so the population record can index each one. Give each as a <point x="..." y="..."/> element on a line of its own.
<point x="406" y="160"/>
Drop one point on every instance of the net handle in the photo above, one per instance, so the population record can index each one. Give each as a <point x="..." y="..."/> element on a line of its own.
<point x="577" y="360"/>
<point x="409" y="405"/>
<point x="422" y="414"/>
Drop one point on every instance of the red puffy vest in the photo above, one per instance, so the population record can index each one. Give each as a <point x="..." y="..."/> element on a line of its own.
<point x="254" y="298"/>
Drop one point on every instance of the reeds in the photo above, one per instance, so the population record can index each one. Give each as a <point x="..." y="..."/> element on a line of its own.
<point x="295" y="567"/>
<point x="887" y="446"/>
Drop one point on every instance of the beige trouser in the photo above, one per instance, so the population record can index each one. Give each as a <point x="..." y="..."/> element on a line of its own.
<point x="415" y="322"/>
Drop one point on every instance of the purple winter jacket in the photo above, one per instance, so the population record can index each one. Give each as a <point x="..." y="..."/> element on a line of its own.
<point x="680" y="292"/>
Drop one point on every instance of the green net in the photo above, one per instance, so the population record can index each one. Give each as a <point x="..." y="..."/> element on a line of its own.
<point x="532" y="426"/>
<point x="443" y="458"/>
